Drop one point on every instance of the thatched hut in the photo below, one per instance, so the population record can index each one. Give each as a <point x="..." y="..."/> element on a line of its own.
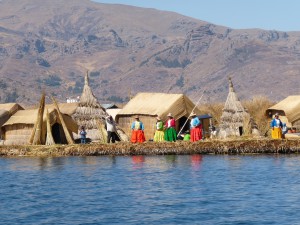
<point x="89" y="113"/>
<point x="6" y="111"/>
<point x="150" y="105"/>
<point x="235" y="120"/>
<point x="288" y="110"/>
<point x="18" y="129"/>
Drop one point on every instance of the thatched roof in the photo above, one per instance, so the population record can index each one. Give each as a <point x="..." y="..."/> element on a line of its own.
<point x="29" y="117"/>
<point x="113" y="112"/>
<point x="65" y="108"/>
<point x="290" y="106"/>
<point x="11" y="107"/>
<point x="8" y="109"/>
<point x="159" y="104"/>
<point x="233" y="103"/>
<point x="87" y="97"/>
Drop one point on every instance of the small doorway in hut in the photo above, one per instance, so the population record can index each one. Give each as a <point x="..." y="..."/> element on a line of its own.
<point x="58" y="134"/>
<point x="181" y="124"/>
<point x="241" y="131"/>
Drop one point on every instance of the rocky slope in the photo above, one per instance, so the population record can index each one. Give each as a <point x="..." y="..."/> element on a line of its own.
<point x="50" y="44"/>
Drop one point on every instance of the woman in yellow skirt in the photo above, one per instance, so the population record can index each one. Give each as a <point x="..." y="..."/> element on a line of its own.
<point x="159" y="132"/>
<point x="276" y="125"/>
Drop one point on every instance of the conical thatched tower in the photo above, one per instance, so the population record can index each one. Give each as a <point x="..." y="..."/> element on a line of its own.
<point x="89" y="112"/>
<point x="235" y="120"/>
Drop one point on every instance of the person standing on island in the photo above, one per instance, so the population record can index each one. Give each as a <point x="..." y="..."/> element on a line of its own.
<point x="111" y="129"/>
<point x="137" y="128"/>
<point x="196" y="128"/>
<point x="170" y="132"/>
<point x="276" y="126"/>
<point x="159" y="132"/>
<point x="82" y="135"/>
<point x="284" y="130"/>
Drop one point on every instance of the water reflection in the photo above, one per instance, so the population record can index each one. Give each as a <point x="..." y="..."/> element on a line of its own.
<point x="150" y="190"/>
<point x="196" y="161"/>
<point x="138" y="161"/>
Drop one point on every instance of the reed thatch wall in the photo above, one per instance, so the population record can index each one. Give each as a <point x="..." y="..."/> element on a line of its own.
<point x="148" y="121"/>
<point x="17" y="134"/>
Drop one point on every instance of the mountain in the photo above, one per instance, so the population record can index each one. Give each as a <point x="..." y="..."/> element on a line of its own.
<point x="50" y="44"/>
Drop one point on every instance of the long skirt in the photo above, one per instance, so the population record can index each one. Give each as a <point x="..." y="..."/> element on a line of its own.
<point x="276" y="133"/>
<point x="137" y="136"/>
<point x="159" y="136"/>
<point x="196" y="134"/>
<point x="170" y="134"/>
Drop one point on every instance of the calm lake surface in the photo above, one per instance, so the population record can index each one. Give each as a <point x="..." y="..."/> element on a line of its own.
<point x="195" y="189"/>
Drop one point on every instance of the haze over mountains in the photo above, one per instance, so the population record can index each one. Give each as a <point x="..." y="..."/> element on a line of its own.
<point x="50" y="44"/>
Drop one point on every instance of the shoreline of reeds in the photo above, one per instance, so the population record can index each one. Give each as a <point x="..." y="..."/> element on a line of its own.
<point x="253" y="146"/>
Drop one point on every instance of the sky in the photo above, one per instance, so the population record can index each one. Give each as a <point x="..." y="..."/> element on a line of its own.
<point x="281" y="15"/>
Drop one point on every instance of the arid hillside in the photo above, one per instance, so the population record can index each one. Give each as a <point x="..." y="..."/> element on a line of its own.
<point x="49" y="45"/>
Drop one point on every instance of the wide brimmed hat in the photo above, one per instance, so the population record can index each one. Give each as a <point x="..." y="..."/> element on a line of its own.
<point x="193" y="114"/>
<point x="158" y="118"/>
<point x="276" y="114"/>
<point x="170" y="115"/>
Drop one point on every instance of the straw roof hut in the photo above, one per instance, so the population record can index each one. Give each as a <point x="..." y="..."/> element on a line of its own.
<point x="89" y="113"/>
<point x="235" y="120"/>
<point x="288" y="110"/>
<point x="150" y="105"/>
<point x="6" y="111"/>
<point x="18" y="129"/>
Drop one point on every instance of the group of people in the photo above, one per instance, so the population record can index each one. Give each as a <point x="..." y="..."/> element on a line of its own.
<point x="166" y="131"/>
<point x="111" y="128"/>
<point x="163" y="132"/>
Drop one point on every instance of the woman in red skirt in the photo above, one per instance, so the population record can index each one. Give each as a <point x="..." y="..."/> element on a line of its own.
<point x="196" y="128"/>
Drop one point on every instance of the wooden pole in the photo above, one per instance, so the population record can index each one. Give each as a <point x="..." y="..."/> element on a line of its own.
<point x="36" y="135"/>
<point x="190" y="115"/>
<point x="49" y="137"/>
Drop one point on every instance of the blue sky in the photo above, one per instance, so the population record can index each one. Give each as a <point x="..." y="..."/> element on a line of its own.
<point x="283" y="15"/>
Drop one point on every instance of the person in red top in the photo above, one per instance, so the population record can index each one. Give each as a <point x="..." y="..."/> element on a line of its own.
<point x="170" y="132"/>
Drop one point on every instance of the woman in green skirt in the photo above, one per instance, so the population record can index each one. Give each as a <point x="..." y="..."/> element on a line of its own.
<point x="170" y="132"/>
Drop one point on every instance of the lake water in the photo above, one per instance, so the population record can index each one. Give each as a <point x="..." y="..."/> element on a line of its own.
<point x="195" y="189"/>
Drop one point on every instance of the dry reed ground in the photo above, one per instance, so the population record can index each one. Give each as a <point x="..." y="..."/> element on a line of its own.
<point x="258" y="146"/>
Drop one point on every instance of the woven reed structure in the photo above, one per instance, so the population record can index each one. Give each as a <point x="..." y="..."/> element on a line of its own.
<point x="288" y="110"/>
<point x="150" y="105"/>
<point x="235" y="120"/>
<point x="90" y="114"/>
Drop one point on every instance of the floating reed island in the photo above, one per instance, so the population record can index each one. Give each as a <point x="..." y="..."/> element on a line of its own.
<point x="259" y="146"/>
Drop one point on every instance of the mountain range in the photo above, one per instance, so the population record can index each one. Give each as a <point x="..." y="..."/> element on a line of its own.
<point x="48" y="45"/>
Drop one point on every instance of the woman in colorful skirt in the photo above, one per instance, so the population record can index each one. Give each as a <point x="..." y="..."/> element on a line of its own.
<point x="170" y="132"/>
<point x="159" y="132"/>
<point x="196" y="128"/>
<point x="276" y="125"/>
<point x="137" y="128"/>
